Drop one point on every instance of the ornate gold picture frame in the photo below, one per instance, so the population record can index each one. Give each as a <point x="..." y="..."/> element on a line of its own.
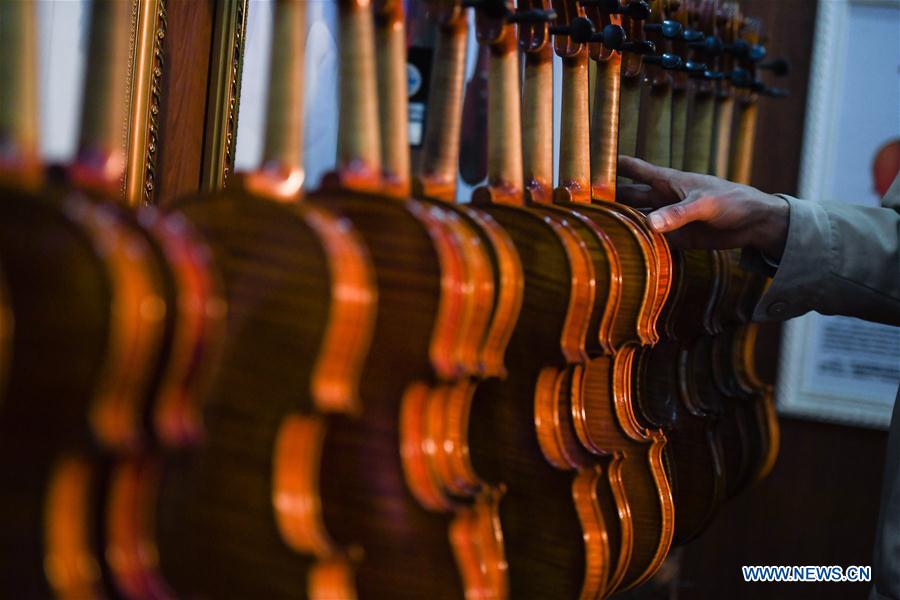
<point x="148" y="32"/>
<point x="226" y="67"/>
<point x="146" y="70"/>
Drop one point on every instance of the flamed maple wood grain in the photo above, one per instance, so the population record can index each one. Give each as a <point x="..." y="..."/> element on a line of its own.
<point x="544" y="550"/>
<point x="633" y="250"/>
<point x="607" y="273"/>
<point x="573" y="198"/>
<point x="364" y="496"/>
<point x="608" y="420"/>
<point x="277" y="282"/>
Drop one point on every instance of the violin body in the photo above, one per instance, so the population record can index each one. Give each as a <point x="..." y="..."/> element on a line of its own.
<point x="415" y="345"/>
<point x="93" y="402"/>
<point x="297" y="334"/>
<point x="505" y="427"/>
<point x="693" y="453"/>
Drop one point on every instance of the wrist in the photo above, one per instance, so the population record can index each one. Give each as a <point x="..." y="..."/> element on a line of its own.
<point x="771" y="233"/>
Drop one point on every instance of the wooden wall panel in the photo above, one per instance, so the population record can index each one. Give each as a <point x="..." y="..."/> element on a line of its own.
<point x="818" y="507"/>
<point x="183" y="111"/>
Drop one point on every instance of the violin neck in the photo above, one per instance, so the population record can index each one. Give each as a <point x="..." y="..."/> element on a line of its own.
<point x="283" y="147"/>
<point x="393" y="103"/>
<point x="436" y="177"/>
<point x="657" y="131"/>
<point x="722" y="139"/>
<point x="575" y="131"/>
<point x="629" y="115"/>
<point x="537" y="125"/>
<point x="19" y="129"/>
<point x="605" y="128"/>
<point x="699" y="133"/>
<point x="504" y="184"/>
<point x="359" y="146"/>
<point x="679" y="126"/>
<point x="744" y="138"/>
<point x="100" y="161"/>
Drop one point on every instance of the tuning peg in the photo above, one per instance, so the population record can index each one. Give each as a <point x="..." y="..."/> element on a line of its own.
<point x="692" y="35"/>
<point x="495" y="9"/>
<point x="741" y="78"/>
<point x="756" y="53"/>
<point x="643" y="47"/>
<point x="613" y="37"/>
<point x="711" y="45"/>
<point x="498" y="9"/>
<point x="693" y="68"/>
<point x="638" y="10"/>
<point x="707" y="75"/>
<point x="582" y="31"/>
<point x="670" y="62"/>
<point x="775" y="92"/>
<point x="671" y="30"/>
<point x="779" y="67"/>
<point x="737" y="48"/>
<point x="534" y="15"/>
<point x="743" y="49"/>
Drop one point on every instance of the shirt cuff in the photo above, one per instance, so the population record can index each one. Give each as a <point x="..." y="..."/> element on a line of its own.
<point x="804" y="266"/>
<point x="755" y="261"/>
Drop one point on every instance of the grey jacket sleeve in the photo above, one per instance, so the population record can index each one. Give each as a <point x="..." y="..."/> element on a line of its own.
<point x="839" y="259"/>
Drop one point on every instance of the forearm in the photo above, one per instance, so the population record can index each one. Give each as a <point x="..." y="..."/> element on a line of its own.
<point x="838" y="259"/>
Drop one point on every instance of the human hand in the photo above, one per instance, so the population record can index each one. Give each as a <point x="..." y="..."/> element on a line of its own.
<point x="701" y="211"/>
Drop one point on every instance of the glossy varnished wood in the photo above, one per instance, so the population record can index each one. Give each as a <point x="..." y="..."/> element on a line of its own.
<point x="693" y="450"/>
<point x="278" y="272"/>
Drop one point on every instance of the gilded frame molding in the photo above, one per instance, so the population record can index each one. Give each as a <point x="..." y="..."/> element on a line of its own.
<point x="146" y="64"/>
<point x="226" y="67"/>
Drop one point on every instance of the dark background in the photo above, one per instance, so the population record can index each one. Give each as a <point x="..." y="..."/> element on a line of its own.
<point x="820" y="503"/>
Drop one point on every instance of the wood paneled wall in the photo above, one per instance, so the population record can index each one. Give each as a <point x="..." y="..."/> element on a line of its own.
<point x="183" y="107"/>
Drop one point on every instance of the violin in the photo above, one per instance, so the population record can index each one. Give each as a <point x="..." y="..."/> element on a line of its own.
<point x="638" y="264"/>
<point x="654" y="142"/>
<point x="433" y="423"/>
<point x="728" y="19"/>
<point x="701" y="17"/>
<point x="692" y="455"/>
<point x="508" y="438"/>
<point x="748" y="89"/>
<point x="435" y="298"/>
<point x="302" y="307"/>
<point x="100" y="394"/>
<point x="473" y="158"/>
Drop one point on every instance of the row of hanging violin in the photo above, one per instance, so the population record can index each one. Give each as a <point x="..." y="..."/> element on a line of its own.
<point x="375" y="391"/>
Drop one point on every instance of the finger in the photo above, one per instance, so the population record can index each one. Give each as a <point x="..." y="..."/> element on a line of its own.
<point x="676" y="216"/>
<point x="639" y="170"/>
<point x="637" y="195"/>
